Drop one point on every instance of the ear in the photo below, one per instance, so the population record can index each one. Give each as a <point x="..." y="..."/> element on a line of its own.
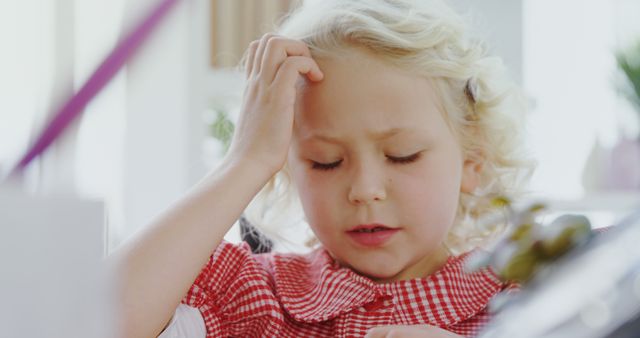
<point x="471" y="171"/>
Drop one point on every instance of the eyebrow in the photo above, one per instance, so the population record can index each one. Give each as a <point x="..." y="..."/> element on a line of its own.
<point x="375" y="135"/>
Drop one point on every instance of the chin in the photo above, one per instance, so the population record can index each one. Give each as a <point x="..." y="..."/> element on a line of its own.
<point x="377" y="273"/>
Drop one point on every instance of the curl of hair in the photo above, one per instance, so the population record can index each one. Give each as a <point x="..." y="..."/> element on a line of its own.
<point x="427" y="38"/>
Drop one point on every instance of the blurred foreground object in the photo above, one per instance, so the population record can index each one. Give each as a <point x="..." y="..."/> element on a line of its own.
<point x="107" y="69"/>
<point x="591" y="291"/>
<point x="528" y="244"/>
<point x="53" y="281"/>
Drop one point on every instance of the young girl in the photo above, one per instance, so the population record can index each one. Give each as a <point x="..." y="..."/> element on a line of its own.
<point x="393" y="128"/>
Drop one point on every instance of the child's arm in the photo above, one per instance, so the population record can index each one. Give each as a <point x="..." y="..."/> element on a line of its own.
<point x="156" y="268"/>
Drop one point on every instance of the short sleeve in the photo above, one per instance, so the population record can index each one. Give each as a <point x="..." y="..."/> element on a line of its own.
<point x="233" y="293"/>
<point x="187" y="322"/>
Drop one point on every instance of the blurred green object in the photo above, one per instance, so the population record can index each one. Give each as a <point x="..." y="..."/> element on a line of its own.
<point x="629" y="62"/>
<point x="564" y="233"/>
<point x="222" y="129"/>
<point x="529" y="245"/>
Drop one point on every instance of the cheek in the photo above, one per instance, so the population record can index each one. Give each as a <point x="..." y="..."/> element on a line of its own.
<point x="317" y="196"/>
<point x="430" y="194"/>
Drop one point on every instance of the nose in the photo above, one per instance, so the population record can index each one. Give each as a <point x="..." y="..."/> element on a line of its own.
<point x="367" y="186"/>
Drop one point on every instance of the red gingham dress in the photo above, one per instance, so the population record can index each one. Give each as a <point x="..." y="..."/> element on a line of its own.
<point x="240" y="294"/>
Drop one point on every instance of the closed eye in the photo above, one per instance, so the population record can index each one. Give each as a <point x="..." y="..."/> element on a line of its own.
<point x="392" y="159"/>
<point x="405" y="159"/>
<point x="325" y="166"/>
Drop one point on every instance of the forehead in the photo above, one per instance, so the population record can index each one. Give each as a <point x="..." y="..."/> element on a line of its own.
<point x="360" y="93"/>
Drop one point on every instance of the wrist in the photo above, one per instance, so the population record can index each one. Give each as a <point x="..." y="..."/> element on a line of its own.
<point x="249" y="167"/>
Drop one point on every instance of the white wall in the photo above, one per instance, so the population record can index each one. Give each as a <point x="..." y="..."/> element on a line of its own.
<point x="500" y="24"/>
<point x="570" y="73"/>
<point x="158" y="107"/>
<point x="169" y="88"/>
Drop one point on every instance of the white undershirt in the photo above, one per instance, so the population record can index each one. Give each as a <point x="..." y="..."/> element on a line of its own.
<point x="187" y="322"/>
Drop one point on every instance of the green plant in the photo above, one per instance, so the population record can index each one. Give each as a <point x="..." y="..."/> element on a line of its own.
<point x="629" y="62"/>
<point x="222" y="129"/>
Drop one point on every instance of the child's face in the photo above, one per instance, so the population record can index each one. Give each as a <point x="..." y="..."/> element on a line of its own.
<point x="369" y="147"/>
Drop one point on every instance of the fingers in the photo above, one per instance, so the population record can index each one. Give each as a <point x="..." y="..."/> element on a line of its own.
<point x="393" y="332"/>
<point x="250" y="56"/>
<point x="273" y="66"/>
<point x="276" y="52"/>
<point x="376" y="332"/>
<point x="292" y="67"/>
<point x="409" y="331"/>
<point x="266" y="56"/>
<point x="257" y="60"/>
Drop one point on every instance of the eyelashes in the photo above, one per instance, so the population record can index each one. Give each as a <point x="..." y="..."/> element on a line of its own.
<point x="405" y="159"/>
<point x="325" y="166"/>
<point x="392" y="159"/>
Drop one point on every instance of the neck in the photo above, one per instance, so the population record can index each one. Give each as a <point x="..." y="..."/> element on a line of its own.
<point x="420" y="269"/>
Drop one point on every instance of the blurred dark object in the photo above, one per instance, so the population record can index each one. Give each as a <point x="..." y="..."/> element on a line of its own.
<point x="258" y="242"/>
<point x="630" y="329"/>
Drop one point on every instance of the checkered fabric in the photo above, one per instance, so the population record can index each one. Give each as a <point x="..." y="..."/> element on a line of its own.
<point x="287" y="295"/>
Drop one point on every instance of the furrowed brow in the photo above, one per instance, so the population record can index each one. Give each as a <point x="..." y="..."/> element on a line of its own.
<point x="374" y="135"/>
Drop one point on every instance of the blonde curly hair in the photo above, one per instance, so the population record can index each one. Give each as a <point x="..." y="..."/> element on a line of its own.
<point x="426" y="37"/>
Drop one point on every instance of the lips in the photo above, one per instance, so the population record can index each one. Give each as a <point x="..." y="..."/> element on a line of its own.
<point x="371" y="235"/>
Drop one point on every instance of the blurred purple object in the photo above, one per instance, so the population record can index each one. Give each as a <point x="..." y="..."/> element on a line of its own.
<point x="624" y="166"/>
<point x="105" y="72"/>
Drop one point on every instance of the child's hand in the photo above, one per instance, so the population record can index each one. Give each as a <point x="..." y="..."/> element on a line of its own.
<point x="410" y="331"/>
<point x="264" y="128"/>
